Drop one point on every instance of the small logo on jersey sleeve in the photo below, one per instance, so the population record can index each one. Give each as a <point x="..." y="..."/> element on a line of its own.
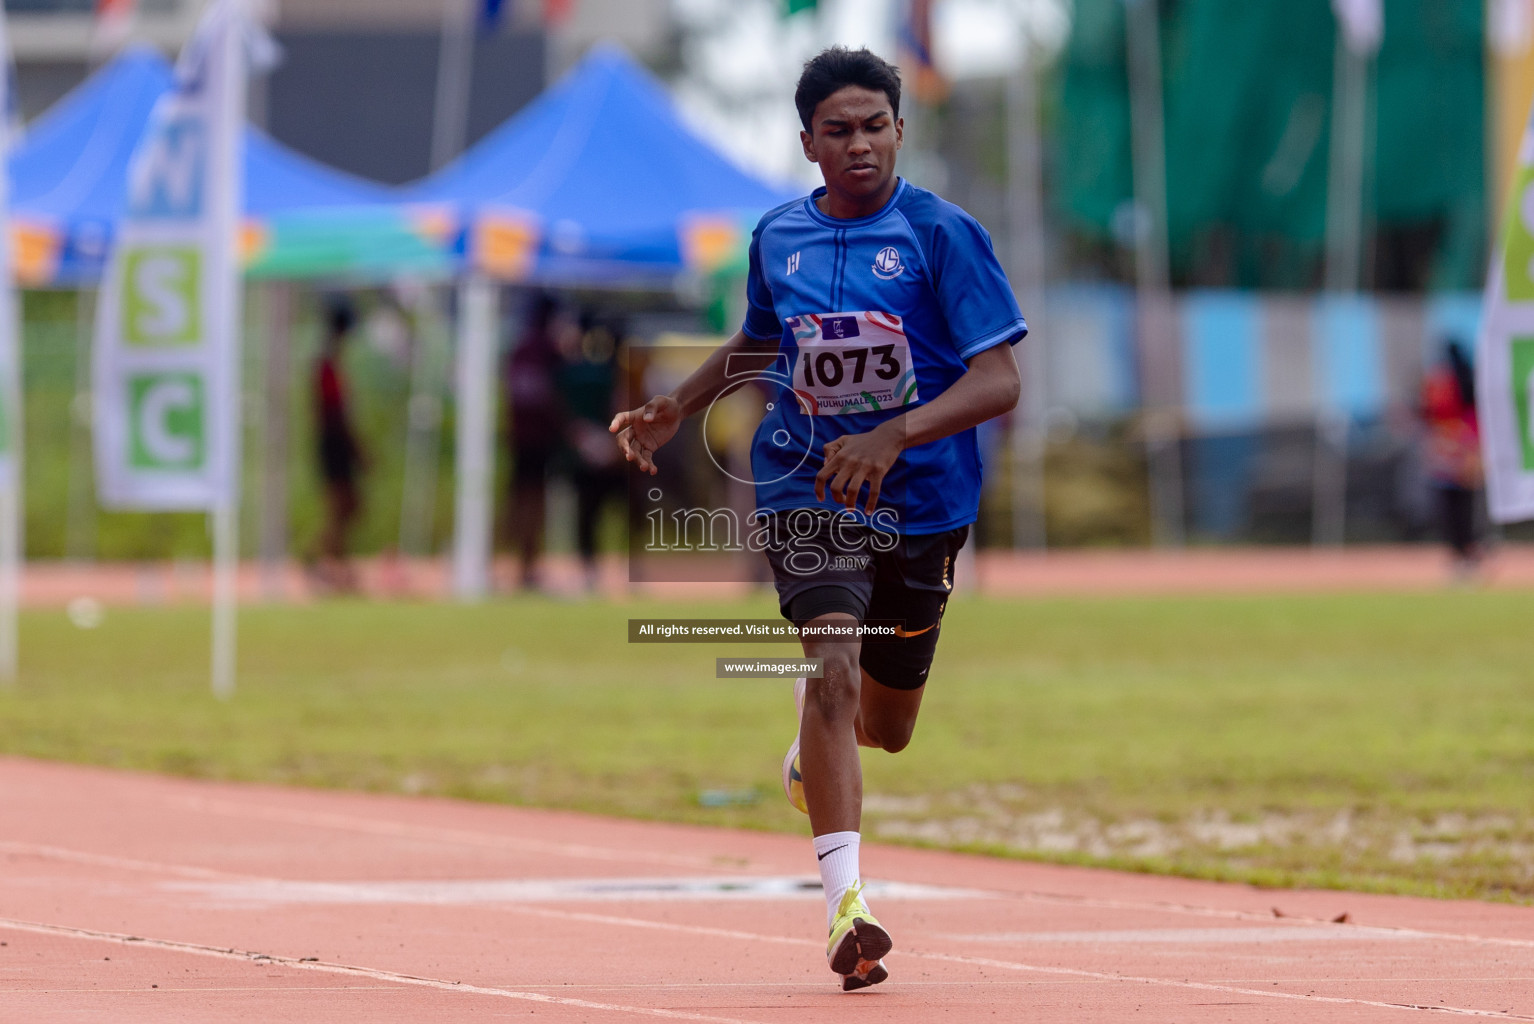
<point x="888" y="265"/>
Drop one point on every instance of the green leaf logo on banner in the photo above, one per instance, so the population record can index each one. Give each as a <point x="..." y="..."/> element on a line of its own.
<point x="162" y="286"/>
<point x="1522" y="351"/>
<point x="166" y="417"/>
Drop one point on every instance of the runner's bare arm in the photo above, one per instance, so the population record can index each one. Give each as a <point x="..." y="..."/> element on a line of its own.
<point x="643" y="430"/>
<point x="989" y="388"/>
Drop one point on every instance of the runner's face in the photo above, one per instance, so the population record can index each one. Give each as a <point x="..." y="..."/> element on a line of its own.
<point x="855" y="139"/>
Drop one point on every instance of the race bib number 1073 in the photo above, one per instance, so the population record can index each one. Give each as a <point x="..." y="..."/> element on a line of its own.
<point x="852" y="362"/>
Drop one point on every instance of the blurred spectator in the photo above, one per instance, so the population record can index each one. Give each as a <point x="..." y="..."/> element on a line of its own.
<point x="536" y="420"/>
<point x="1454" y="453"/>
<point x="588" y="390"/>
<point x="341" y="456"/>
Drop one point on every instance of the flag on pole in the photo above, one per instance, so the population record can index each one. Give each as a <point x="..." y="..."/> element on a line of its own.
<point x="927" y="84"/>
<point x="166" y="359"/>
<point x="1362" y="23"/>
<point x="1505" y="355"/>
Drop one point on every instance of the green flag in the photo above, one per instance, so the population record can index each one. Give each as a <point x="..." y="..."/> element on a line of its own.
<point x="791" y="7"/>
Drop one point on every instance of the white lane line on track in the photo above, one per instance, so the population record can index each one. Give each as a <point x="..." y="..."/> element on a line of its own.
<point x="1207" y="986"/>
<point x="474" y="892"/>
<point x="1054" y="899"/>
<point x="1273" y="932"/>
<point x="1097" y="903"/>
<point x="197" y="949"/>
<point x="1063" y="972"/>
<point x="43" y="852"/>
<point x="453" y="836"/>
<point x="391" y="829"/>
<point x="613" y="919"/>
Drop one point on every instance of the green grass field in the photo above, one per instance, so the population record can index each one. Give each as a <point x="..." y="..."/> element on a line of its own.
<point x="1379" y="742"/>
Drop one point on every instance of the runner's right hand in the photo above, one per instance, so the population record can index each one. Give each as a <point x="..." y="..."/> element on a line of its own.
<point x="641" y="431"/>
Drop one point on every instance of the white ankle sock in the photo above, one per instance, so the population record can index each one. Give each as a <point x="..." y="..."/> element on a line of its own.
<point x="838" y="856"/>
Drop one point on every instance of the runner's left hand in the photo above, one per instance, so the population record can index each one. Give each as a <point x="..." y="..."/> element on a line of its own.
<point x="853" y="460"/>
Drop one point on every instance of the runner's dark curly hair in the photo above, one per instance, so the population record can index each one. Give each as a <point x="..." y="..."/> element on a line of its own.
<point x="839" y="67"/>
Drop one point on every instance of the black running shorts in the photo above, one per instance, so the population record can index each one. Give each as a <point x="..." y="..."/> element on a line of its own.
<point x="825" y="562"/>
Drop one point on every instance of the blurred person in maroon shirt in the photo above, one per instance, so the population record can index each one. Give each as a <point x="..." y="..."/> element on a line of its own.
<point x="1454" y="453"/>
<point x="536" y="417"/>
<point x="341" y="456"/>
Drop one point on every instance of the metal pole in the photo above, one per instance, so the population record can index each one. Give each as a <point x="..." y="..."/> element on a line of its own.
<point x="1346" y="189"/>
<point x="423" y="432"/>
<point x="12" y="506"/>
<point x="1345" y="180"/>
<point x="475" y="443"/>
<point x="1025" y="217"/>
<point x="225" y="162"/>
<point x="12" y="518"/>
<point x="455" y="76"/>
<point x="1153" y="280"/>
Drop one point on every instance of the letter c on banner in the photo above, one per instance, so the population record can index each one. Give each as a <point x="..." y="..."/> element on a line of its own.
<point x="159" y="402"/>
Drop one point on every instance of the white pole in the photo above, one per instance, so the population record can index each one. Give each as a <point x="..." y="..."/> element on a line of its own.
<point x="1025" y="216"/>
<point x="476" y="437"/>
<point x="1163" y="434"/>
<point x="11" y="516"/>
<point x="1347" y="186"/>
<point x="12" y="519"/>
<point x="226" y="166"/>
<point x="455" y="79"/>
<point x="10" y="579"/>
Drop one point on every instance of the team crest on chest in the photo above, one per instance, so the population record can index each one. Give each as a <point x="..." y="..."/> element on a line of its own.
<point x="888" y="265"/>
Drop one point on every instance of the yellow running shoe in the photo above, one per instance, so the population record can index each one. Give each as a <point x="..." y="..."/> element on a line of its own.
<point x="857" y="943"/>
<point x="793" y="782"/>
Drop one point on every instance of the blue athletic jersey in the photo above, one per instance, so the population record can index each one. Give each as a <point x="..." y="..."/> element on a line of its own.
<point x="874" y="316"/>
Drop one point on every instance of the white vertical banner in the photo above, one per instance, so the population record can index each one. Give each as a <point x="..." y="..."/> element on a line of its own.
<point x="1505" y="355"/>
<point x="167" y="353"/>
<point x="11" y="517"/>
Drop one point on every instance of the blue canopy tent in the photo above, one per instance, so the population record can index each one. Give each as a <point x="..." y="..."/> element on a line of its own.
<point x="69" y="186"/>
<point x="599" y="181"/>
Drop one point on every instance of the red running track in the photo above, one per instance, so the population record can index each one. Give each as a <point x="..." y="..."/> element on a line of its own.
<point x="129" y="898"/>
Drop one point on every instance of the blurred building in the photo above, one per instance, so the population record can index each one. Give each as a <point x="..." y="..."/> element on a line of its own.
<point x="55" y="42"/>
<point x="358" y="84"/>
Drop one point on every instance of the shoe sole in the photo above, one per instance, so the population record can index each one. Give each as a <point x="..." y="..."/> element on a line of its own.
<point x="867" y="975"/>
<point x="865" y="941"/>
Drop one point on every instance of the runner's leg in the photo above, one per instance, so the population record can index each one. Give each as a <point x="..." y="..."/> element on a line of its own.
<point x="828" y="741"/>
<point x="886" y="716"/>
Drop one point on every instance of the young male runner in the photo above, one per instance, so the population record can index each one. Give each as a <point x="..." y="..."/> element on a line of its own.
<point x="885" y="318"/>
